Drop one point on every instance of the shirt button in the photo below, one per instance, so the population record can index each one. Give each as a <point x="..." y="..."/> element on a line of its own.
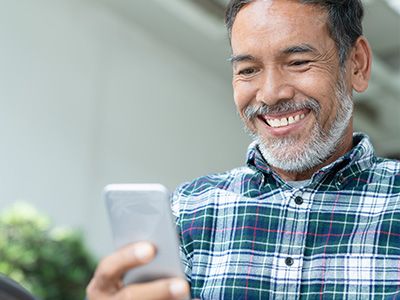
<point x="340" y="178"/>
<point x="289" y="261"/>
<point x="298" y="200"/>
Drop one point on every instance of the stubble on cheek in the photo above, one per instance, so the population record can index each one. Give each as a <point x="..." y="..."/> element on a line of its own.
<point x="250" y="126"/>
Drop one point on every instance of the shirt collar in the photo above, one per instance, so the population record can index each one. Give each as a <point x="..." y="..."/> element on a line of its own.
<point x="359" y="158"/>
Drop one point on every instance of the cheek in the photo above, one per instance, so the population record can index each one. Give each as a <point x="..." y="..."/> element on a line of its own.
<point x="244" y="94"/>
<point x="320" y="88"/>
<point x="316" y="85"/>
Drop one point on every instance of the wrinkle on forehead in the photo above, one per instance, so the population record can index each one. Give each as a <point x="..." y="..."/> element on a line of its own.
<point x="264" y="6"/>
<point x="268" y="15"/>
<point x="265" y="22"/>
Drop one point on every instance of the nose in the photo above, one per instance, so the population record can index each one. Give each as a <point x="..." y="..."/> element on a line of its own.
<point x="274" y="87"/>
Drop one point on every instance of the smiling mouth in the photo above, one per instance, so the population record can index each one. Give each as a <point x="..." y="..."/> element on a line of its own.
<point x="284" y="120"/>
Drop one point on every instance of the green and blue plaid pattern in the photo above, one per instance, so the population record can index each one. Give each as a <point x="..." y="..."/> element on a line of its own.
<point x="247" y="234"/>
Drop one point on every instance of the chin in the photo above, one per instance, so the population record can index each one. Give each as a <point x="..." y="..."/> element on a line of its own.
<point x="290" y="156"/>
<point x="297" y="153"/>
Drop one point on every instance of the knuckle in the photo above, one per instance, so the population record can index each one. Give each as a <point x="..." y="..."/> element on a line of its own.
<point x="103" y="272"/>
<point x="91" y="290"/>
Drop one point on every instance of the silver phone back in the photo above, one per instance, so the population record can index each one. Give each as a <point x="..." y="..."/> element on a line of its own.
<point x="142" y="212"/>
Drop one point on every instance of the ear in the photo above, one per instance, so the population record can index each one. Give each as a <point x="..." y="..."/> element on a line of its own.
<point x="360" y="64"/>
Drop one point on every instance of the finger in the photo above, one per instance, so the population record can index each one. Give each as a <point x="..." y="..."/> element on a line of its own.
<point x="164" y="289"/>
<point x="110" y="270"/>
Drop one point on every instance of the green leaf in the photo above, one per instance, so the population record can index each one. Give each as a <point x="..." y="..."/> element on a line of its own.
<point x="51" y="262"/>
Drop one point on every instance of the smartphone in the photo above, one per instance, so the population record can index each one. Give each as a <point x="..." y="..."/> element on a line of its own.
<point x="142" y="212"/>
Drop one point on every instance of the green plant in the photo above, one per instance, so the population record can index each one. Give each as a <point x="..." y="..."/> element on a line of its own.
<point x="52" y="263"/>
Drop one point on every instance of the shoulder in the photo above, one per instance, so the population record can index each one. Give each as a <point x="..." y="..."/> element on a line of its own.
<point x="383" y="167"/>
<point x="197" y="191"/>
<point x="383" y="177"/>
<point x="222" y="181"/>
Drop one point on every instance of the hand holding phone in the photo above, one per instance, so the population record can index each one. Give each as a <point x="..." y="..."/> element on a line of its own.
<point x="140" y="214"/>
<point x="106" y="282"/>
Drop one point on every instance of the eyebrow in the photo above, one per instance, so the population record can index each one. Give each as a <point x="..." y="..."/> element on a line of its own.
<point x="240" y="58"/>
<point x="302" y="48"/>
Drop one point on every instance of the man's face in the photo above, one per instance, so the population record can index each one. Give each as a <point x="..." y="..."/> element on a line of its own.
<point x="288" y="85"/>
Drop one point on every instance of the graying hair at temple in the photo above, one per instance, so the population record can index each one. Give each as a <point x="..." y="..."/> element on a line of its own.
<point x="344" y="20"/>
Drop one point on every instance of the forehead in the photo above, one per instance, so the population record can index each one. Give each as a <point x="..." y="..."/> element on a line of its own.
<point x="273" y="23"/>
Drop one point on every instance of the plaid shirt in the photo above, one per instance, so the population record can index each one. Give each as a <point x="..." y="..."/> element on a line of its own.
<point x="247" y="234"/>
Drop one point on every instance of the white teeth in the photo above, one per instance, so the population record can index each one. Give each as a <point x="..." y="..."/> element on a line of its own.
<point x="285" y="121"/>
<point x="274" y="123"/>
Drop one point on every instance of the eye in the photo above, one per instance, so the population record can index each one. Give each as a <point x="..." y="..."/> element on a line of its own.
<point x="247" y="71"/>
<point x="298" y="63"/>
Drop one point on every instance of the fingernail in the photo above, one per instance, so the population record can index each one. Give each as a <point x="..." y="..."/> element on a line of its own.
<point x="143" y="251"/>
<point x="178" y="289"/>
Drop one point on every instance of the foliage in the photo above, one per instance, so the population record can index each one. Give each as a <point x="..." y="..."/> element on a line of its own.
<point x="52" y="263"/>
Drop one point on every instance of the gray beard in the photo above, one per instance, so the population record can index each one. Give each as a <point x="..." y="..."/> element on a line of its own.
<point x="294" y="155"/>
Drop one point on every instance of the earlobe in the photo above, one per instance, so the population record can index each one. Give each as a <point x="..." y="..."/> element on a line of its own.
<point x="361" y="60"/>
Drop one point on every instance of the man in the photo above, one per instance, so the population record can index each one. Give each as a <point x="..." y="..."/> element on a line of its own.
<point x="314" y="214"/>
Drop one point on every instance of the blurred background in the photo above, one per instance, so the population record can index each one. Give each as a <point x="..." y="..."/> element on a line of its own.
<point x="104" y="91"/>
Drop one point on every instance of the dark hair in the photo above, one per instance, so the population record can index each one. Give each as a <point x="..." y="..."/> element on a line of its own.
<point x="344" y="20"/>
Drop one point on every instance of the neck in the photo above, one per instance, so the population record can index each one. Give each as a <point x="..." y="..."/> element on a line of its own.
<point x="345" y="145"/>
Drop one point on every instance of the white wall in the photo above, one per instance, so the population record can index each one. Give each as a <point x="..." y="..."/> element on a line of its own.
<point x="47" y="93"/>
<point x="88" y="99"/>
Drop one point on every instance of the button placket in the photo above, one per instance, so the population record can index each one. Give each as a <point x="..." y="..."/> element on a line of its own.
<point x="292" y="238"/>
<point x="300" y="211"/>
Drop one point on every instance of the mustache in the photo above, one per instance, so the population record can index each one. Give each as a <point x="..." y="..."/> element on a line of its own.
<point x="284" y="106"/>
